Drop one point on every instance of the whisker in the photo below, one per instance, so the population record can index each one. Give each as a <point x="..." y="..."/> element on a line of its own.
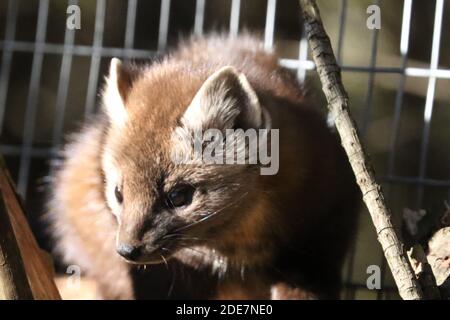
<point x="191" y="238"/>
<point x="172" y="284"/>
<point x="165" y="262"/>
<point x="179" y="236"/>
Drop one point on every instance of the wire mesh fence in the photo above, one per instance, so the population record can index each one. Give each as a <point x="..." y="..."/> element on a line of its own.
<point x="43" y="59"/>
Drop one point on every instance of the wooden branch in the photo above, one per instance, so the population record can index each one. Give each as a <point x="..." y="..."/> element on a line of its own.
<point x="40" y="275"/>
<point x="13" y="280"/>
<point x="330" y="77"/>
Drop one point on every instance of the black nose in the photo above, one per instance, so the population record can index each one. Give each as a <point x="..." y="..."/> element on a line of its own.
<point x="128" y="251"/>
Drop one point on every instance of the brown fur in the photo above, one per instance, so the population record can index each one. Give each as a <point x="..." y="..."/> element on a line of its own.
<point x="281" y="236"/>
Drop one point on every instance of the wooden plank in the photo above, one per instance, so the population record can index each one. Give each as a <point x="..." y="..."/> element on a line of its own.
<point x="13" y="279"/>
<point x="39" y="273"/>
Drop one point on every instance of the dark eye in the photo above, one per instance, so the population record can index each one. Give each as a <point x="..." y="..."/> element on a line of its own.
<point x="118" y="194"/>
<point x="180" y="196"/>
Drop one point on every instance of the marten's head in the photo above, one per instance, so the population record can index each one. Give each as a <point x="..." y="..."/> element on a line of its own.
<point x="161" y="204"/>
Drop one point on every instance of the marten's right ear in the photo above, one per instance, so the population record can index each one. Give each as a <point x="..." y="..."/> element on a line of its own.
<point x="226" y="100"/>
<point x="118" y="86"/>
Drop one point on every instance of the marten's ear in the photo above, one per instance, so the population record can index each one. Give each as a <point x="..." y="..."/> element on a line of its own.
<point x="118" y="85"/>
<point x="226" y="100"/>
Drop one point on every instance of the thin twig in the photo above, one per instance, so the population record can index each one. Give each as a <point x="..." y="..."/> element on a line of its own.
<point x="330" y="76"/>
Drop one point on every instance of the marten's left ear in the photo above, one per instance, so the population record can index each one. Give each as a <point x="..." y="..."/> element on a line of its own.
<point x="226" y="100"/>
<point x="117" y="88"/>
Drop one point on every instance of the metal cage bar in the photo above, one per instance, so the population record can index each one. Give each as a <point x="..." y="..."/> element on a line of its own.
<point x="163" y="25"/>
<point x="31" y="106"/>
<point x="270" y="24"/>
<point x="342" y="19"/>
<point x="404" y="46"/>
<point x="199" y="17"/>
<point x="429" y="103"/>
<point x="130" y="24"/>
<point x="234" y="16"/>
<point x="100" y="13"/>
<point x="63" y="84"/>
<point x="366" y="112"/>
<point x="7" y="57"/>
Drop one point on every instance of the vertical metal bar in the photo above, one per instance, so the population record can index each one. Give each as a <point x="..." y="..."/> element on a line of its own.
<point x="63" y="83"/>
<point x="342" y="20"/>
<point x="32" y="101"/>
<point x="96" y="57"/>
<point x="366" y="112"/>
<point x="199" y="17"/>
<point x="270" y="24"/>
<point x="131" y="24"/>
<point x="163" y="25"/>
<point x="234" y="17"/>
<point x="302" y="56"/>
<point x="7" y="54"/>
<point x="404" y="47"/>
<point x="130" y="28"/>
<point x="429" y="102"/>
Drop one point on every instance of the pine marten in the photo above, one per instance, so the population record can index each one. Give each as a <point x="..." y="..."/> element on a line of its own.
<point x="212" y="231"/>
